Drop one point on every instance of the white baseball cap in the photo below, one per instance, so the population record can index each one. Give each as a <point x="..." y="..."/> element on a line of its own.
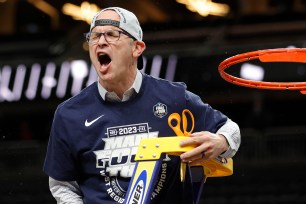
<point x="128" y="22"/>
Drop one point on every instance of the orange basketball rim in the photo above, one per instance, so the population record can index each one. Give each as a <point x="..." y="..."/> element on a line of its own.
<point x="270" y="55"/>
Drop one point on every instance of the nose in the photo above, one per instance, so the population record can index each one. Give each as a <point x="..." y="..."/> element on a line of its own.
<point x="102" y="39"/>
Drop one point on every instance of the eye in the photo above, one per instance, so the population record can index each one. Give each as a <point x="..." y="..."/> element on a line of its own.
<point x="95" y="36"/>
<point x="112" y="33"/>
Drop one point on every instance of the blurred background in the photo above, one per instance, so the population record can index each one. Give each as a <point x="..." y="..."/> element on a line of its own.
<point x="44" y="60"/>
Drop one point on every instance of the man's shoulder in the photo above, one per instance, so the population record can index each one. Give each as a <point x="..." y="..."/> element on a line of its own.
<point x="163" y="82"/>
<point x="83" y="98"/>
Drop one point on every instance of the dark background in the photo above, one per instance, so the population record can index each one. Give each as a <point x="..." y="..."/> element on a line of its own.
<point x="270" y="165"/>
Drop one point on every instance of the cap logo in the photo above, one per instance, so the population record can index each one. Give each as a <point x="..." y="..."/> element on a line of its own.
<point x="103" y="22"/>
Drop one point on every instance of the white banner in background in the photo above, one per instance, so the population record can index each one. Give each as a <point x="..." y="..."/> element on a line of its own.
<point x="67" y="79"/>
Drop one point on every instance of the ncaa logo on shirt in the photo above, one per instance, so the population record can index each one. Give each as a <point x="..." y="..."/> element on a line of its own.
<point x="160" y="110"/>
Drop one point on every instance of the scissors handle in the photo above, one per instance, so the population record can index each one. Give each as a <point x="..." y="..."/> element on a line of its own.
<point x="185" y="121"/>
<point x="176" y="128"/>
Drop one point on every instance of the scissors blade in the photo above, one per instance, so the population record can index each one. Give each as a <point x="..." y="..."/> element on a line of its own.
<point x="183" y="167"/>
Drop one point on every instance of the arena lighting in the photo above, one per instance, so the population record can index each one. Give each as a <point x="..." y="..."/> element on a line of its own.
<point x="156" y="66"/>
<point x="19" y="80"/>
<point x="79" y="71"/>
<point x="85" y="12"/>
<point x="5" y="80"/>
<point x="16" y="92"/>
<point x="57" y="81"/>
<point x="252" y="72"/>
<point x="62" y="80"/>
<point x="48" y="80"/>
<point x="206" y="7"/>
<point x="171" y="67"/>
<point x="33" y="81"/>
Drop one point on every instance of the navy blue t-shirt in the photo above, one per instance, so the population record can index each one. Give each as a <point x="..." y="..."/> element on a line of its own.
<point x="94" y="142"/>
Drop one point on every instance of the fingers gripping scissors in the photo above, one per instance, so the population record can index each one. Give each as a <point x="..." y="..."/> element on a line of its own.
<point x="179" y="125"/>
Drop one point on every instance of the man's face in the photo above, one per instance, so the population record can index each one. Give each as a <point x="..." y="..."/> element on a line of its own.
<point x="113" y="61"/>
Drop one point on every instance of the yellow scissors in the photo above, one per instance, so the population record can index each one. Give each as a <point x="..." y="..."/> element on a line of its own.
<point x="178" y="120"/>
<point x="181" y="121"/>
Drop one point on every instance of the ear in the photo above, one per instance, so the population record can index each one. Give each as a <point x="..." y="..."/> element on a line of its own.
<point x="140" y="46"/>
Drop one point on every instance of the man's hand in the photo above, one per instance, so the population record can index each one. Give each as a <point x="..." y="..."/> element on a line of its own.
<point x="209" y="146"/>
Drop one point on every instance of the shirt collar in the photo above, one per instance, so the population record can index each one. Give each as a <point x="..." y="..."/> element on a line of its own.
<point x="111" y="96"/>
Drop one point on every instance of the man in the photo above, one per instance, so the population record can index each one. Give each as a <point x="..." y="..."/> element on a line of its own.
<point x="95" y="134"/>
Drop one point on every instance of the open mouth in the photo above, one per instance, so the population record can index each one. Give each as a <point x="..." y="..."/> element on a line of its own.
<point x="104" y="59"/>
